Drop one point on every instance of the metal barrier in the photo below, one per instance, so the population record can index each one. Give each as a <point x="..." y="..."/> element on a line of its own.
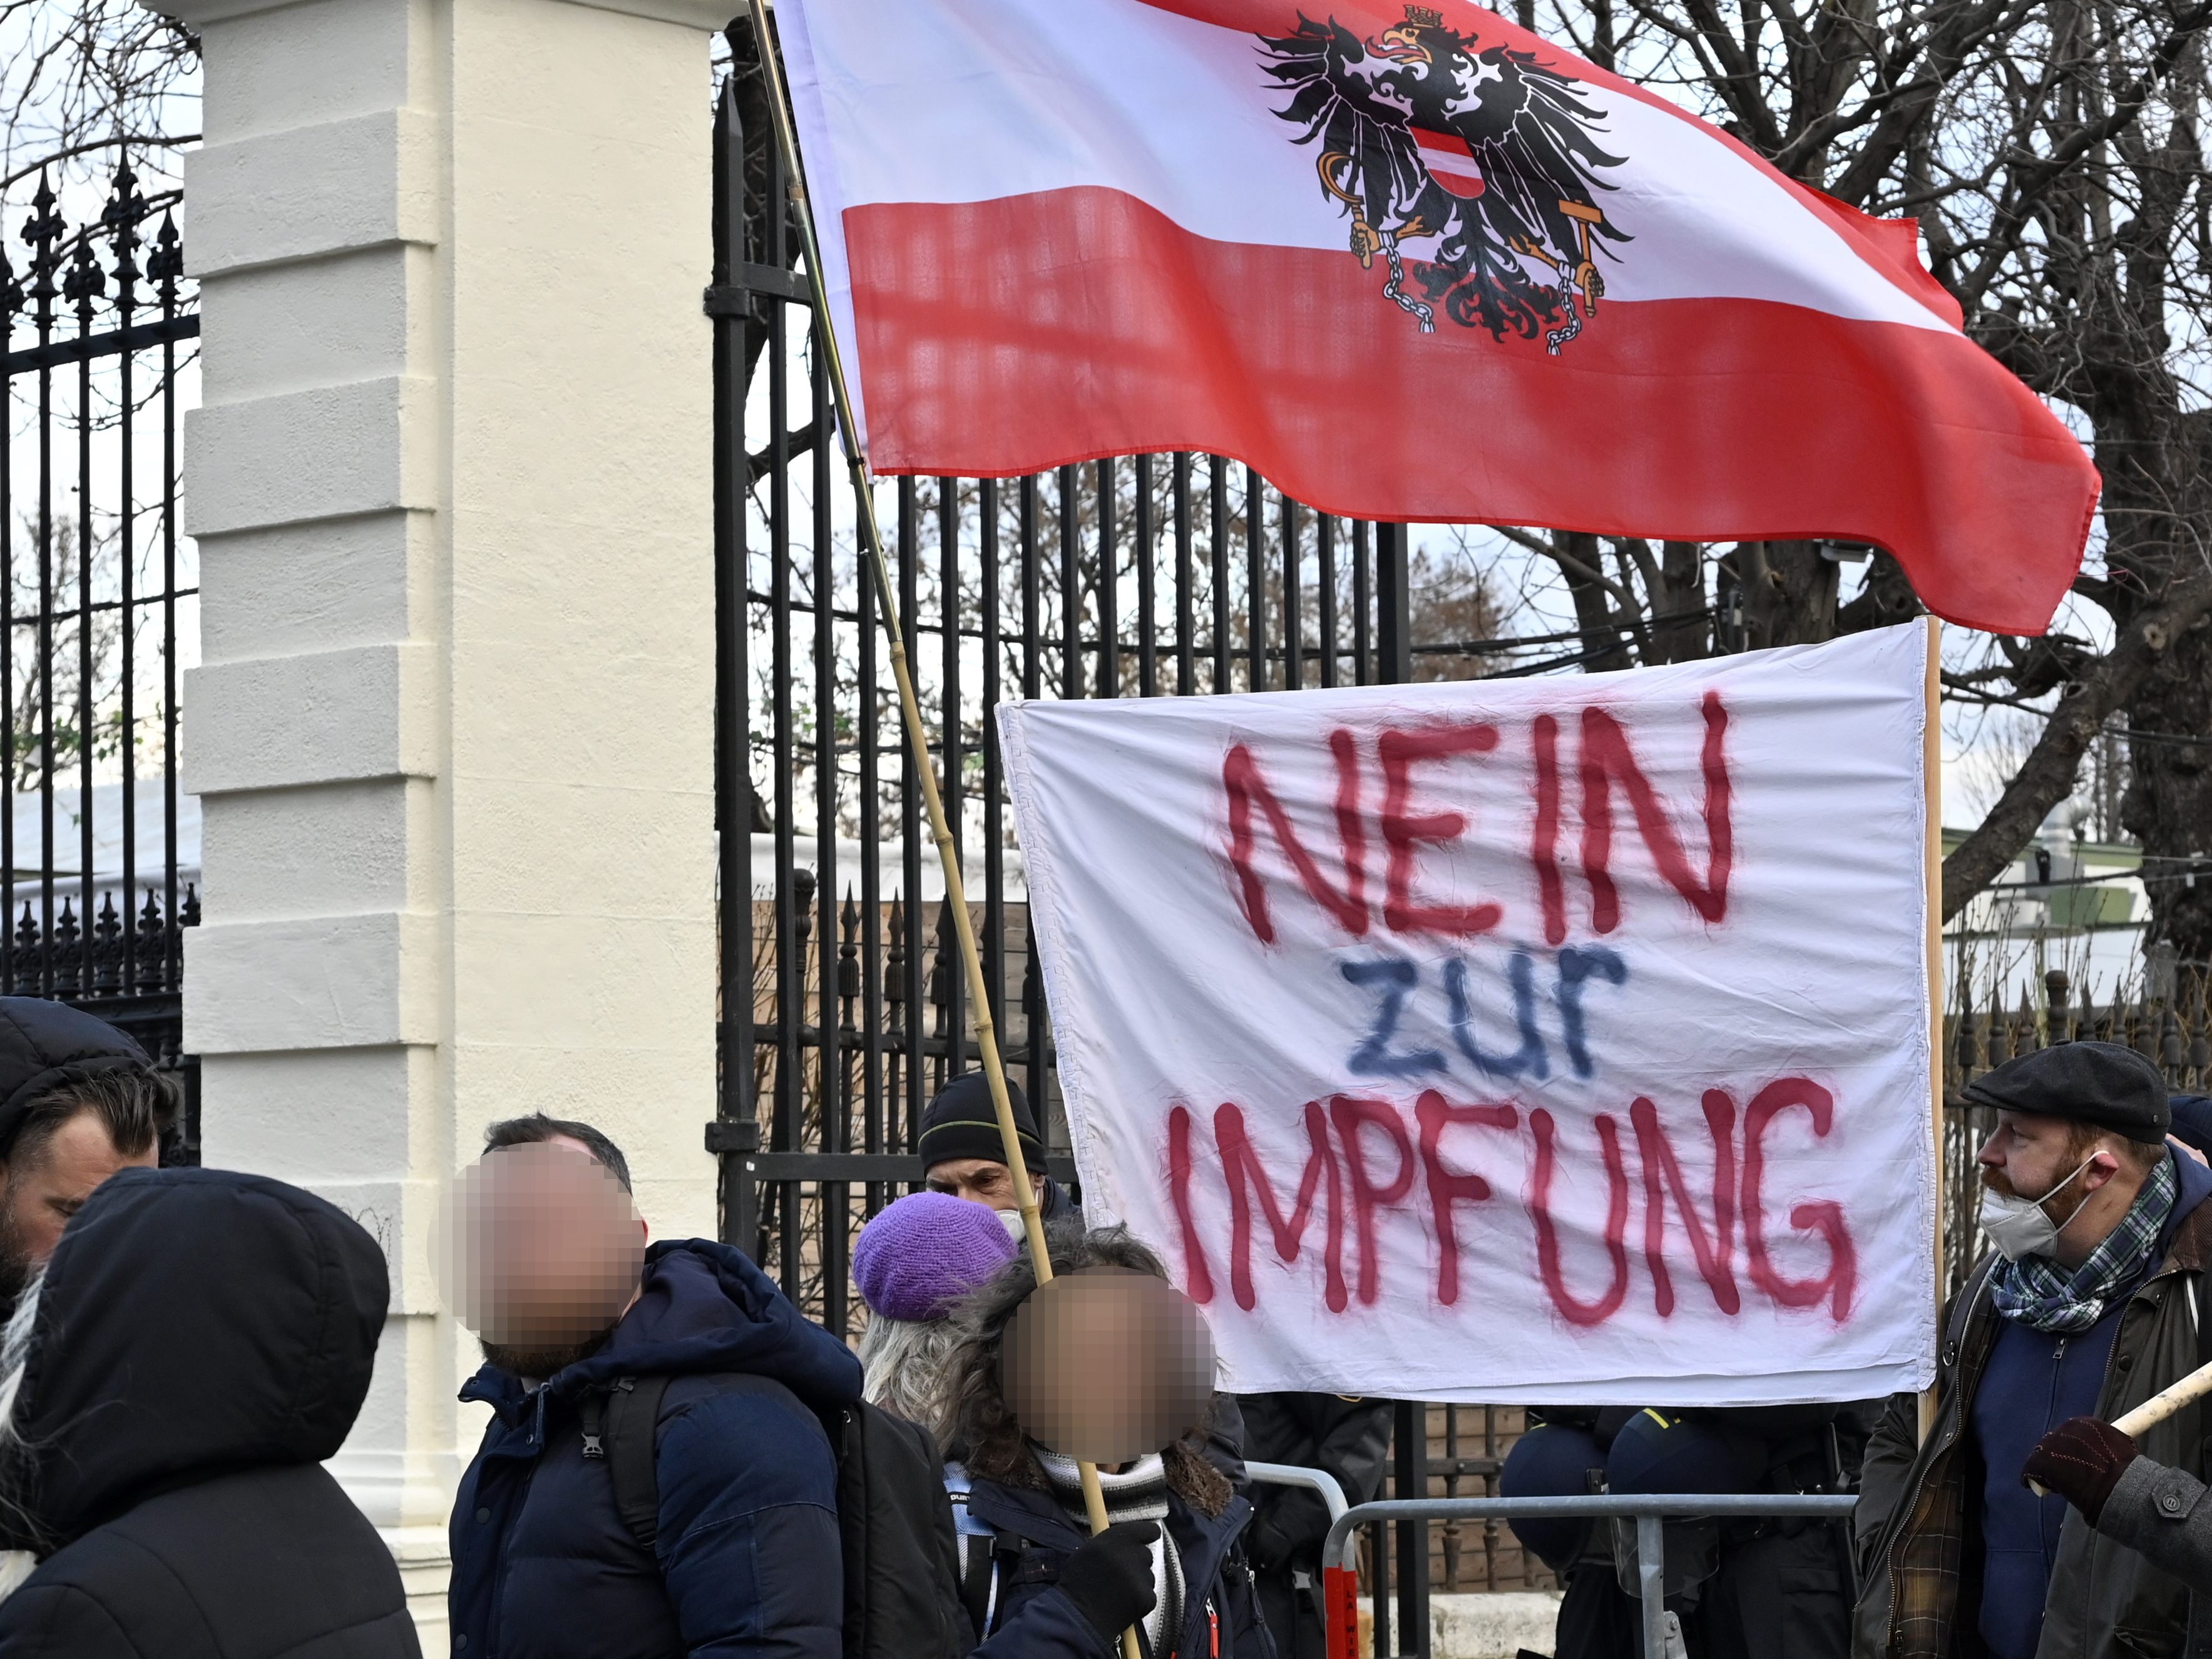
<point x="1298" y="1474"/>
<point x="1340" y="1569"/>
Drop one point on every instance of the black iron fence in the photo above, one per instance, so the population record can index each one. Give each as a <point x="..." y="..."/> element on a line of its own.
<point x="98" y="855"/>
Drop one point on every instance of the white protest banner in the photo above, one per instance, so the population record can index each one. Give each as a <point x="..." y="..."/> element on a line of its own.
<point x="1523" y="1040"/>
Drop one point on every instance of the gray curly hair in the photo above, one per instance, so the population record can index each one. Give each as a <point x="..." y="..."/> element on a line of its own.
<point x="904" y="1364"/>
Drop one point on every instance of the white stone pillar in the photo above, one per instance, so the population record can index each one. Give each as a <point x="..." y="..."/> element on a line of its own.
<point x="453" y="491"/>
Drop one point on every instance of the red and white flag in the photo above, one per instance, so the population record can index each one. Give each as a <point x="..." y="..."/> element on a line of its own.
<point x="1413" y="264"/>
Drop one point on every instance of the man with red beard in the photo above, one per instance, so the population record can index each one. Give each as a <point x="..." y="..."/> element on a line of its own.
<point x="2093" y="1299"/>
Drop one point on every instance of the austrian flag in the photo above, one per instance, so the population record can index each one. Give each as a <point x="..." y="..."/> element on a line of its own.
<point x="1413" y="264"/>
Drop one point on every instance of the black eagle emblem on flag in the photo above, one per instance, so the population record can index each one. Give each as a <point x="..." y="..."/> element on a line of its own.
<point x="1425" y="132"/>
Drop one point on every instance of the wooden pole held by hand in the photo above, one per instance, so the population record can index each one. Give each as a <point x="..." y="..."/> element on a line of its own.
<point x="2155" y="1411"/>
<point x="2166" y="1401"/>
<point x="1931" y="764"/>
<point x="956" y="895"/>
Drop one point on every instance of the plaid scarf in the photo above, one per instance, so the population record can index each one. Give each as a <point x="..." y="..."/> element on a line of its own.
<point x="2038" y="1293"/>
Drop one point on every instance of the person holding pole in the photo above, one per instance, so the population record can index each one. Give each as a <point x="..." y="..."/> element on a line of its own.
<point x="2160" y="1513"/>
<point x="2092" y="1301"/>
<point x="1104" y="1357"/>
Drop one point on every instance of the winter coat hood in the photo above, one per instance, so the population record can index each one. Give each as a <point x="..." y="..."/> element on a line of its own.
<point x="701" y="1307"/>
<point x="192" y="1323"/>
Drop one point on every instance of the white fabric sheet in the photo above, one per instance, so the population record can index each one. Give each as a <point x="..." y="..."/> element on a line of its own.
<point x="1501" y="1082"/>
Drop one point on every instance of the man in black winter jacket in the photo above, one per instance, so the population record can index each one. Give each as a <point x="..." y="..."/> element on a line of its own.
<point x="1755" y="1589"/>
<point x="745" y="1557"/>
<point x="199" y="1344"/>
<point x="1346" y="1435"/>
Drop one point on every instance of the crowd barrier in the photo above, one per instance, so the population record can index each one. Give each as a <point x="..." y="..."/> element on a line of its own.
<point x="1340" y="1566"/>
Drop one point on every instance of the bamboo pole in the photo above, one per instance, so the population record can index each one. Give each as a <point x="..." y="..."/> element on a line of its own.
<point x="2154" y="1411"/>
<point x="1931" y="766"/>
<point x="956" y="894"/>
<point x="2166" y="1401"/>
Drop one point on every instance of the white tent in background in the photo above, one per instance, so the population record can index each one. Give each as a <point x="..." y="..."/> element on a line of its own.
<point x="147" y="866"/>
<point x="849" y="856"/>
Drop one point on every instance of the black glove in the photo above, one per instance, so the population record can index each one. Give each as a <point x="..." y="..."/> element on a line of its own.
<point x="2082" y="1460"/>
<point x="1109" y="1579"/>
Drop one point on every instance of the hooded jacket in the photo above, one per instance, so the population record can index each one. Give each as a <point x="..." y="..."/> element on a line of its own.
<point x="204" y="1340"/>
<point x="1917" y="1526"/>
<point x="747" y="1557"/>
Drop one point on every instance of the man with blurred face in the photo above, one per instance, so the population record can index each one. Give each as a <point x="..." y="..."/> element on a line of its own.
<point x="2090" y="1302"/>
<point x="545" y="1258"/>
<point x="562" y="1249"/>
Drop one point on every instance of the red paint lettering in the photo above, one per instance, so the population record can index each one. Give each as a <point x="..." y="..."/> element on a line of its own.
<point x="1450" y="1187"/>
<point x="1240" y="775"/>
<point x="1544" y="849"/>
<point x="1825" y="1217"/>
<point x="1715" y="1251"/>
<point x="1572" y="1309"/>
<point x="1608" y="759"/>
<point x="1201" y="1275"/>
<point x="1246" y="1174"/>
<point x="1352" y="1115"/>
<point x="1403" y="831"/>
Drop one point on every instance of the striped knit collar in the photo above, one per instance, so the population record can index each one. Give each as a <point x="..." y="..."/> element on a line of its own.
<point x="1138" y="1492"/>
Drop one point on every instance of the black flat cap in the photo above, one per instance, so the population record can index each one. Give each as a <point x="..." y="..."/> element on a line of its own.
<point x="2095" y="1083"/>
<point x="43" y="1044"/>
<point x="961" y="1122"/>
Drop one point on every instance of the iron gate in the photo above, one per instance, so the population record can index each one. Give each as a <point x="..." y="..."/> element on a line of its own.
<point x="97" y="855"/>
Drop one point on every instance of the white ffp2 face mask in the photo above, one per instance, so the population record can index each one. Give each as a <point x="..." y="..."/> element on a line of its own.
<point x="2021" y="1226"/>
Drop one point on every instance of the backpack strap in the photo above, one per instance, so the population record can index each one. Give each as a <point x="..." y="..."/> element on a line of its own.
<point x="987" y="1564"/>
<point x="978" y="1570"/>
<point x="619" y="1421"/>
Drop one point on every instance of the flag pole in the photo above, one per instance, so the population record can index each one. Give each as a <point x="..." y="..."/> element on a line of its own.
<point x="1931" y="768"/>
<point x="1094" y="1499"/>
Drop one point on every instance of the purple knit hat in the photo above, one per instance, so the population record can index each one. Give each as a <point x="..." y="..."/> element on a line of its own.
<point x="918" y="1256"/>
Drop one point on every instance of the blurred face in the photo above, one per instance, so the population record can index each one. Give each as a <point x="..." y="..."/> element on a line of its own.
<point x="541" y="1252"/>
<point x="1107" y="1364"/>
<point x="978" y="1180"/>
<point x="48" y="1185"/>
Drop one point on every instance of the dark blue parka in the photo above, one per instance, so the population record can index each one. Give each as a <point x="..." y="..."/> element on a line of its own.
<point x="747" y="1561"/>
<point x="1033" y="1618"/>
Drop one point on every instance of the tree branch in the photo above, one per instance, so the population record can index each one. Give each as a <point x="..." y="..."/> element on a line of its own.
<point x="2047" y="776"/>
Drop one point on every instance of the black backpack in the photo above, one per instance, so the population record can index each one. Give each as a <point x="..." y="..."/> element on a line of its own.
<point x="894" y="1519"/>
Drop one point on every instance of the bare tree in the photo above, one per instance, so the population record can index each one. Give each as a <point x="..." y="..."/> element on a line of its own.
<point x="2051" y="151"/>
<point x="81" y="79"/>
